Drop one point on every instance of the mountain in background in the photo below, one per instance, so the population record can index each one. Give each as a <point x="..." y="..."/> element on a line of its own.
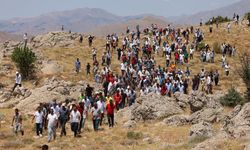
<point x="9" y="37"/>
<point x="240" y="8"/>
<point x="119" y="28"/>
<point x="78" y="20"/>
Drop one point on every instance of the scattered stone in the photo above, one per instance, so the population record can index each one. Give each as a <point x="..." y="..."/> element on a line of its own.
<point x="202" y="129"/>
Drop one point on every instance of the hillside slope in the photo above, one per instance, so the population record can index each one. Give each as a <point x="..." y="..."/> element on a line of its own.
<point x="240" y="8"/>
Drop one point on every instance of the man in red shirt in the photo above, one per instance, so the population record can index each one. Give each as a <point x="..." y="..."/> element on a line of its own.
<point x="80" y="108"/>
<point x="117" y="98"/>
<point x="110" y="113"/>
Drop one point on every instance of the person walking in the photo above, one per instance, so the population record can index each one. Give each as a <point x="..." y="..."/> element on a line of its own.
<point x="75" y="118"/>
<point x="77" y="65"/>
<point x="52" y="122"/>
<point x="110" y="113"/>
<point x="96" y="116"/>
<point x="38" y="117"/>
<point x="17" y="119"/>
<point x="18" y="81"/>
<point x="63" y="118"/>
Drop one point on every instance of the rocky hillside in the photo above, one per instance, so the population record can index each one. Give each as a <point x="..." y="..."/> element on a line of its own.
<point x="196" y="121"/>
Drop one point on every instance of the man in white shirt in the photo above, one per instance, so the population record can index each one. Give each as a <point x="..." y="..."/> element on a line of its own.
<point x="52" y="121"/>
<point x="75" y="118"/>
<point x="18" y="81"/>
<point x="25" y="39"/>
<point x="38" y="116"/>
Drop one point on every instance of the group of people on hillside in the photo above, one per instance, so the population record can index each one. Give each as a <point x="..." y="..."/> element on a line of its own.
<point x="139" y="74"/>
<point x="53" y="116"/>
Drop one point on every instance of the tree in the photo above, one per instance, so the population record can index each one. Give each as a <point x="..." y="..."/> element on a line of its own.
<point x="24" y="59"/>
<point x="247" y="16"/>
<point x="244" y="72"/>
<point x="232" y="98"/>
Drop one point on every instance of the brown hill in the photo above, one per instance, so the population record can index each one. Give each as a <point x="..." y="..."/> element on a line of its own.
<point x="120" y="28"/>
<point x="6" y="37"/>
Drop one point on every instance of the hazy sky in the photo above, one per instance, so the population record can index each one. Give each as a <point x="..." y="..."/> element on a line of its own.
<point x="29" y="8"/>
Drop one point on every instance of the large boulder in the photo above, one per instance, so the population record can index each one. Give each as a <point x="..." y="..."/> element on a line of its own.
<point x="202" y="129"/>
<point x="52" y="39"/>
<point x="182" y="99"/>
<point x="207" y="114"/>
<point x="153" y="106"/>
<point x="213" y="143"/>
<point x="28" y="100"/>
<point x="199" y="100"/>
<point x="238" y="124"/>
<point x="177" y="120"/>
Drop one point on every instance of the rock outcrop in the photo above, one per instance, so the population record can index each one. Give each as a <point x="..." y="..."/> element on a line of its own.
<point x="153" y="107"/>
<point x="238" y="124"/>
<point x="199" y="100"/>
<point x="177" y="120"/>
<point x="52" y="39"/>
<point x="202" y="129"/>
<point x="53" y="88"/>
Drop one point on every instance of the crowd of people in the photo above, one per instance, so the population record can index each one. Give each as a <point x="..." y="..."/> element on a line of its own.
<point x="139" y="75"/>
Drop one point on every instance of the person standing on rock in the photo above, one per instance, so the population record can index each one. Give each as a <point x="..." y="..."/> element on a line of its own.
<point x="18" y="81"/>
<point x="52" y="122"/>
<point x="90" y="40"/>
<point x="25" y="39"/>
<point x="75" y="118"/>
<point x="77" y="65"/>
<point x="38" y="116"/>
<point x="17" y="119"/>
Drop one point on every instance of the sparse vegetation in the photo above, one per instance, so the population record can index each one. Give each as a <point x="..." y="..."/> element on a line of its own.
<point x="134" y="135"/>
<point x="232" y="98"/>
<point x="216" y="47"/>
<point x="200" y="46"/>
<point x="244" y="73"/>
<point x="247" y="16"/>
<point x="218" y="19"/>
<point x="189" y="145"/>
<point x="24" y="59"/>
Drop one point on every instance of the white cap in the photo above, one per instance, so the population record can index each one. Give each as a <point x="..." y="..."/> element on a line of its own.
<point x="17" y="72"/>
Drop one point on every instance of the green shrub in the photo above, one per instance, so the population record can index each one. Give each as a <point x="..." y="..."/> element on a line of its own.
<point x="217" y="47"/>
<point x="247" y="16"/>
<point x="200" y="46"/>
<point x="244" y="72"/>
<point x="134" y="135"/>
<point x="24" y="59"/>
<point x="232" y="98"/>
<point x="218" y="19"/>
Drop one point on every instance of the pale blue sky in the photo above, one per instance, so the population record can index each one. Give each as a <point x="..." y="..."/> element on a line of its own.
<point x="29" y="8"/>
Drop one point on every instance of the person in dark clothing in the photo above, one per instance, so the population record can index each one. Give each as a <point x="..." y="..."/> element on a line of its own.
<point x="63" y="118"/>
<point x="119" y="53"/>
<point x="105" y="88"/>
<point x="216" y="77"/>
<point x="88" y="67"/>
<point x="81" y="39"/>
<point x="88" y="92"/>
<point x="90" y="40"/>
